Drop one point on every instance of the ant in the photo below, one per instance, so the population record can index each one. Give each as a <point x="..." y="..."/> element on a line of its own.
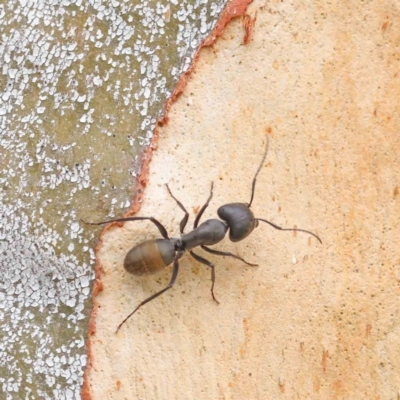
<point x="154" y="255"/>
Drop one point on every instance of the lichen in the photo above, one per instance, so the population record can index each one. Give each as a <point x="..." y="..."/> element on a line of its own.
<point x="82" y="85"/>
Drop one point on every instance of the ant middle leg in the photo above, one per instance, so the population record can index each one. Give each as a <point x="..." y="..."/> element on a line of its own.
<point x="211" y="265"/>
<point x="228" y="254"/>
<point x="181" y="206"/>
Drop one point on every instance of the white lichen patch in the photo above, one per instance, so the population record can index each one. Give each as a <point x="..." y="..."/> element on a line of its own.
<point x="81" y="87"/>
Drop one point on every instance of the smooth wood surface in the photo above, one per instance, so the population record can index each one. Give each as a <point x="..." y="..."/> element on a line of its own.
<point x="311" y="321"/>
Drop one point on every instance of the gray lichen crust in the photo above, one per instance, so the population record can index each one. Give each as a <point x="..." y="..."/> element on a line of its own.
<point x="81" y="87"/>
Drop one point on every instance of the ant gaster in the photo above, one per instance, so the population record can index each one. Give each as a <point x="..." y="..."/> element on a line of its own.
<point x="154" y="255"/>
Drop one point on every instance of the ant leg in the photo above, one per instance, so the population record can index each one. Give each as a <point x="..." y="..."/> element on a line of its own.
<point x="211" y="265"/>
<point x="225" y="253"/>
<point x="288" y="229"/>
<point x="180" y="205"/>
<point x="196" y="221"/>
<point x="158" y="224"/>
<point x="171" y="283"/>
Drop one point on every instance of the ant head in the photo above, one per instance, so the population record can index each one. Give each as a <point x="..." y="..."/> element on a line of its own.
<point x="239" y="218"/>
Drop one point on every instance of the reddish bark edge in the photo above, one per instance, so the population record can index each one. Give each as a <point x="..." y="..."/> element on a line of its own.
<point x="233" y="9"/>
<point x="248" y="25"/>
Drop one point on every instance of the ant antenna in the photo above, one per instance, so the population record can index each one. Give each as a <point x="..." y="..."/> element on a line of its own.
<point x="253" y="185"/>
<point x="288" y="229"/>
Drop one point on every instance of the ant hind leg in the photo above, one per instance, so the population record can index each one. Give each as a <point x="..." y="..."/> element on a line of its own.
<point x="158" y="224"/>
<point x="171" y="283"/>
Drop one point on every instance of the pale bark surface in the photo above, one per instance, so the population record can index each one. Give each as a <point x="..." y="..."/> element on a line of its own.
<point x="311" y="321"/>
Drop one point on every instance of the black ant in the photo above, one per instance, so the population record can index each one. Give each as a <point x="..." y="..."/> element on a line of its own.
<point x="154" y="255"/>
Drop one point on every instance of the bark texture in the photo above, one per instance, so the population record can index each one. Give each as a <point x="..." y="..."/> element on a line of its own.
<point x="311" y="321"/>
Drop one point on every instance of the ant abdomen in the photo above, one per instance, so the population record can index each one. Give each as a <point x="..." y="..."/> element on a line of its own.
<point x="149" y="257"/>
<point x="240" y="219"/>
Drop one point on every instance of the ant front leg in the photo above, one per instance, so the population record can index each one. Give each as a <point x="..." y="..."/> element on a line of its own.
<point x="228" y="254"/>
<point x="171" y="283"/>
<point x="199" y="215"/>
<point x="211" y="265"/>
